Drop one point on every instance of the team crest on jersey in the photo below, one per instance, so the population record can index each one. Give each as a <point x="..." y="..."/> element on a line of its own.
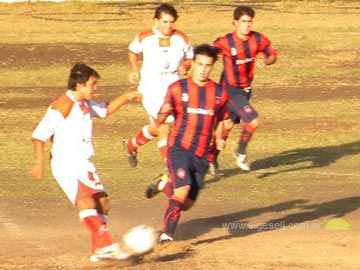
<point x="180" y="173"/>
<point x="233" y="51"/>
<point x="248" y="109"/>
<point x="185" y="97"/>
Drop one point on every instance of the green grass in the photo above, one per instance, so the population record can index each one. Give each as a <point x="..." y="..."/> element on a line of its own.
<point x="316" y="51"/>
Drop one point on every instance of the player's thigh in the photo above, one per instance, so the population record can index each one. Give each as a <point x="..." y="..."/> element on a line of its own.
<point x="179" y="166"/>
<point x="78" y="180"/>
<point x="240" y="108"/>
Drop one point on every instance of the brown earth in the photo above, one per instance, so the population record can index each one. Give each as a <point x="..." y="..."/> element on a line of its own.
<point x="38" y="232"/>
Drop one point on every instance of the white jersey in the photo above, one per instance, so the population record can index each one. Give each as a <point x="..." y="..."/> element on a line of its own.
<point x="67" y="123"/>
<point x="162" y="57"/>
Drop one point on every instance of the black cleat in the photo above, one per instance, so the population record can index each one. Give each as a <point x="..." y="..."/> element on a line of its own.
<point x="131" y="155"/>
<point x="152" y="190"/>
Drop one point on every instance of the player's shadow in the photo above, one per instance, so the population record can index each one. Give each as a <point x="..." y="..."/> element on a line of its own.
<point x="300" y="159"/>
<point x="236" y="224"/>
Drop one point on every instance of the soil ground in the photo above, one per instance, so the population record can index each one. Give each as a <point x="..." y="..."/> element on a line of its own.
<point x="290" y="233"/>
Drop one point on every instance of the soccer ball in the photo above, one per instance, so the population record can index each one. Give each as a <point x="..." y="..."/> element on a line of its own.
<point x="139" y="240"/>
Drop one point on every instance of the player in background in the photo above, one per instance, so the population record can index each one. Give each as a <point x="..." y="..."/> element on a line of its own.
<point x="166" y="54"/>
<point x="198" y="105"/>
<point x="239" y="50"/>
<point x="67" y="123"/>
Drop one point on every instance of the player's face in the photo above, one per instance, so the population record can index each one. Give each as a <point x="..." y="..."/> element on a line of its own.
<point x="243" y="25"/>
<point x="89" y="89"/>
<point x="202" y="66"/>
<point x="165" y="24"/>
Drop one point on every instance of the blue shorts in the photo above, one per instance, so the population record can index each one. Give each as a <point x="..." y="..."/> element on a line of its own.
<point x="187" y="169"/>
<point x="238" y="106"/>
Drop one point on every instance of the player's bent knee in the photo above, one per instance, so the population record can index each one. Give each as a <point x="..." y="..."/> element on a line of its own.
<point x="188" y="204"/>
<point x="255" y="123"/>
<point x="182" y="192"/>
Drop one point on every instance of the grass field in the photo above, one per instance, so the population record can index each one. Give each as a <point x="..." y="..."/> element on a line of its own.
<point x="304" y="157"/>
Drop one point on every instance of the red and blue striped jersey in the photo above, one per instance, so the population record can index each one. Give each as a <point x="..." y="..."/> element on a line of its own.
<point x="239" y="56"/>
<point x="197" y="110"/>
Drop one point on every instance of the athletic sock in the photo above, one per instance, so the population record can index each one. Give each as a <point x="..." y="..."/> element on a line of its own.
<point x="162" y="147"/>
<point x="100" y="236"/>
<point x="141" y="138"/>
<point x="172" y="215"/>
<point x="246" y="134"/>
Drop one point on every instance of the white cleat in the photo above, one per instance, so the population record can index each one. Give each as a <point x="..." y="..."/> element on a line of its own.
<point x="164" y="238"/>
<point x="214" y="169"/>
<point x="240" y="161"/>
<point x="109" y="253"/>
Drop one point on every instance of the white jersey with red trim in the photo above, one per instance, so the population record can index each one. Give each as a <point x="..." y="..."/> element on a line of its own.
<point x="161" y="54"/>
<point x="68" y="124"/>
<point x="162" y="57"/>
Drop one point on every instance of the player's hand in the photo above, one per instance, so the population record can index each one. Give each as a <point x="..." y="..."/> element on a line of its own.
<point x="260" y="63"/>
<point x="134" y="77"/>
<point x="134" y="96"/>
<point x="220" y="144"/>
<point x="37" y="171"/>
<point x="182" y="70"/>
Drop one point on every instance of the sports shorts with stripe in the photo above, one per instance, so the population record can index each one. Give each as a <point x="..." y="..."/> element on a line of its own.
<point x="187" y="169"/>
<point x="238" y="106"/>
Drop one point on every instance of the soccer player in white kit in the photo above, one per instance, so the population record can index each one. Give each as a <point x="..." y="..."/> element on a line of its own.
<point x="67" y="123"/>
<point x="166" y="54"/>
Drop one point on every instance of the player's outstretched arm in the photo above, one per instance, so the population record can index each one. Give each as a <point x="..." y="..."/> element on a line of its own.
<point x="37" y="170"/>
<point x="118" y="102"/>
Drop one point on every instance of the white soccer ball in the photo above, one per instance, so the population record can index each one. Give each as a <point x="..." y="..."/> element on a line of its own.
<point x="139" y="240"/>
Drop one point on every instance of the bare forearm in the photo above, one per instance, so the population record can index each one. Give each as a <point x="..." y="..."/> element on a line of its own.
<point x="37" y="170"/>
<point x="270" y="60"/>
<point x="121" y="100"/>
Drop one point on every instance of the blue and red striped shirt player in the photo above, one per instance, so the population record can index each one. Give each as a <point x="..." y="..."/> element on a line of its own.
<point x="239" y="50"/>
<point x="198" y="105"/>
<point x="197" y="110"/>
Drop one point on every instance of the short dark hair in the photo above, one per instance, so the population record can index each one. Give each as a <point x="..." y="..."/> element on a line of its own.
<point x="80" y="73"/>
<point x="243" y="10"/>
<point x="167" y="9"/>
<point x="206" y="49"/>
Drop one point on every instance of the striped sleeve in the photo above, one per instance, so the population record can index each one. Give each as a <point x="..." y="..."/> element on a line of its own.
<point x="266" y="47"/>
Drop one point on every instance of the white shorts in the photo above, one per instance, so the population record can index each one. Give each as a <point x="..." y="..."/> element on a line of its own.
<point x="154" y="90"/>
<point x="77" y="179"/>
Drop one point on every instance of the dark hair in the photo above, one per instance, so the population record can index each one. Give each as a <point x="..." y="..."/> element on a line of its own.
<point x="206" y="49"/>
<point x="80" y="73"/>
<point x="243" y="10"/>
<point x="167" y="9"/>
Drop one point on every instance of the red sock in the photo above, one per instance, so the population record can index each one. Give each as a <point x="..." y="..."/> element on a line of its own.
<point x="141" y="138"/>
<point x="100" y="236"/>
<point x="246" y="134"/>
<point x="168" y="190"/>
